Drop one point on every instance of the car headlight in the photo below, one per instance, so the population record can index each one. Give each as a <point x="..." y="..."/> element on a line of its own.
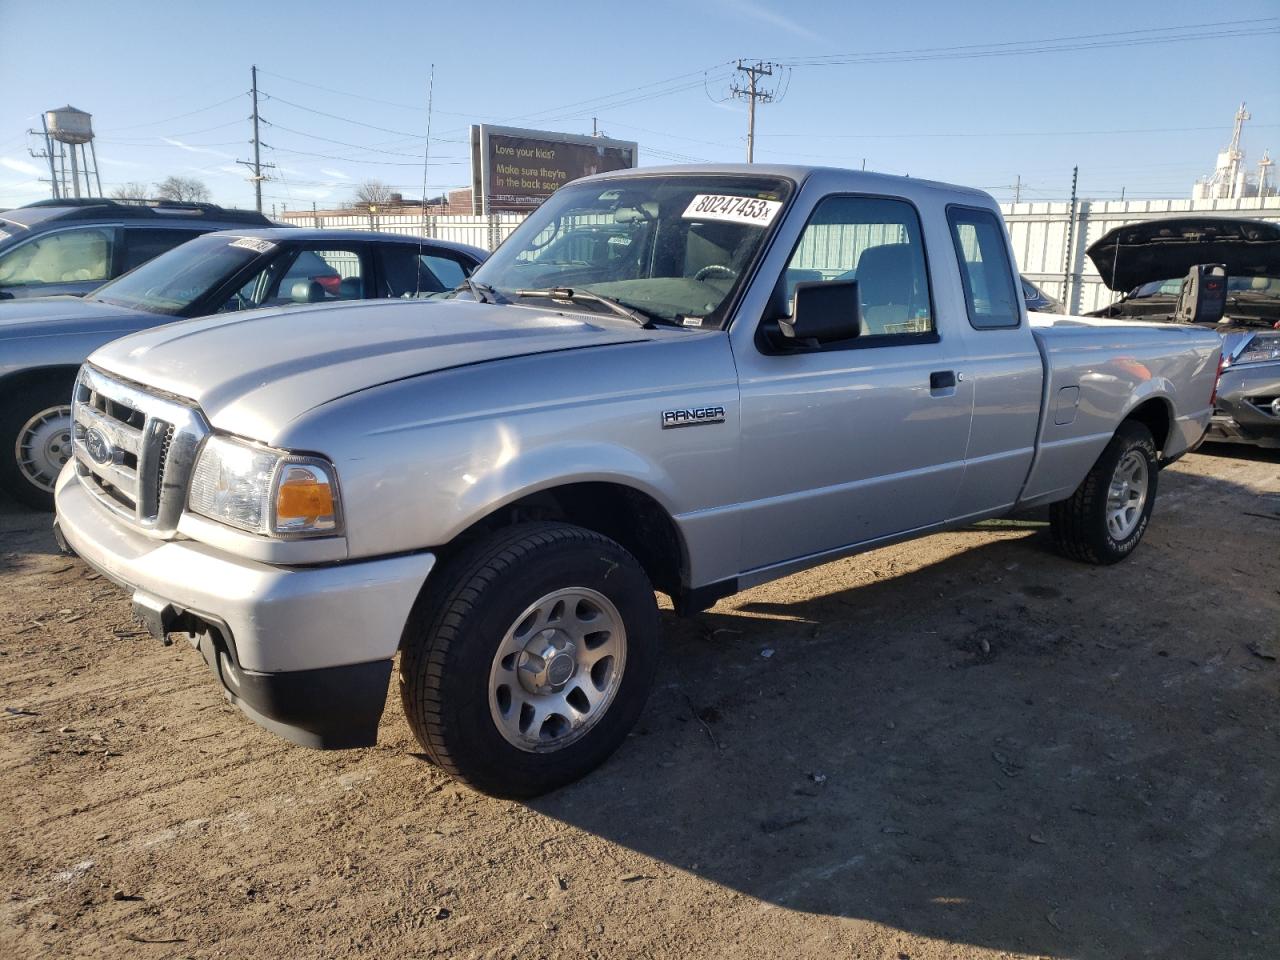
<point x="1260" y="348"/>
<point x="267" y="492"/>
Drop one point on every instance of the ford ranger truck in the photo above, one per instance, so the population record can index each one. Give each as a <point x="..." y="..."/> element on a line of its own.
<point x="689" y="380"/>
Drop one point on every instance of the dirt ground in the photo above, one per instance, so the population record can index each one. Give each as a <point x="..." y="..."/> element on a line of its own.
<point x="960" y="747"/>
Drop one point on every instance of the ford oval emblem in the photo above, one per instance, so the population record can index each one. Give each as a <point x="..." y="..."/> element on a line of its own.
<point x="98" y="446"/>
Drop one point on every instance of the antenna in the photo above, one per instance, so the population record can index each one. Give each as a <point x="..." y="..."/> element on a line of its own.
<point x="426" y="159"/>
<point x="751" y="94"/>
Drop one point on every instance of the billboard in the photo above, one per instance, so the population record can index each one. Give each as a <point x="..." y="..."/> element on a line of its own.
<point x="514" y="170"/>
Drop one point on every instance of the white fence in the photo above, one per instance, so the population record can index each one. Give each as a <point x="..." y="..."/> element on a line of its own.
<point x="1039" y="235"/>
<point x="485" y="232"/>
<point x="1038" y="231"/>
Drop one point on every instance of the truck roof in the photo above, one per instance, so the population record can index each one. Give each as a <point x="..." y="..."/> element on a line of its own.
<point x="862" y="181"/>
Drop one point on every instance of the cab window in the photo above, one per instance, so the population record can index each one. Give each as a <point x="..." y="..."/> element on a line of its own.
<point x="876" y="242"/>
<point x="984" y="268"/>
<point x="303" y="276"/>
<point x="65" y="256"/>
<point x="143" y="243"/>
<point x="408" y="271"/>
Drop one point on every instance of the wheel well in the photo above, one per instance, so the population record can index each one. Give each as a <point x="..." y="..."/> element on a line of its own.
<point x="632" y="518"/>
<point x="1154" y="415"/>
<point x="24" y="379"/>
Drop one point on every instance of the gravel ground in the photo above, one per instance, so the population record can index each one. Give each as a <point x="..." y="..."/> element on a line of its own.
<point x="960" y="747"/>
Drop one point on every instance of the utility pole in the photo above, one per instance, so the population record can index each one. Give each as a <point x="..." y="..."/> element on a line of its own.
<point x="1017" y="189"/>
<point x="256" y="163"/>
<point x="751" y="94"/>
<point x="1071" y="236"/>
<point x="257" y="157"/>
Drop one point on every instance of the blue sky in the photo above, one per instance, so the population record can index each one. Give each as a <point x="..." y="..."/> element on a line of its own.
<point x="166" y="83"/>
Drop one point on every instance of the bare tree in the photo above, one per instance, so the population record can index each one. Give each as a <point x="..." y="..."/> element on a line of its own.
<point x="130" y="191"/>
<point x="373" y="193"/>
<point x="182" y="189"/>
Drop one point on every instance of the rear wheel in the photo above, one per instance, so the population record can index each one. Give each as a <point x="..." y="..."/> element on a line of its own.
<point x="529" y="660"/>
<point x="1105" y="518"/>
<point x="35" y="441"/>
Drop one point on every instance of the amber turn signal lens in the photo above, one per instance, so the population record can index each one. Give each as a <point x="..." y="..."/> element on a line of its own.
<point x="303" y="496"/>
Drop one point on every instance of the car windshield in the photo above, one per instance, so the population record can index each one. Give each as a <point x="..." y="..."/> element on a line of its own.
<point x="1254" y="286"/>
<point x="670" y="248"/>
<point x="174" y="280"/>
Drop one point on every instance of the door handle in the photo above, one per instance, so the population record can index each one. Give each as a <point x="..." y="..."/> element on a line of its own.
<point x="942" y="380"/>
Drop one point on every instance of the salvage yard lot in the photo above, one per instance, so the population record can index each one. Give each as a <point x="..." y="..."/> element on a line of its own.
<point x="963" y="746"/>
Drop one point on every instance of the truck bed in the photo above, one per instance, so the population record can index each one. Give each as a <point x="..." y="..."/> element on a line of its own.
<point x="1098" y="371"/>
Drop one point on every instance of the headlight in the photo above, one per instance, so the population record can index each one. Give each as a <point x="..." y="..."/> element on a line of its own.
<point x="264" y="491"/>
<point x="1260" y="348"/>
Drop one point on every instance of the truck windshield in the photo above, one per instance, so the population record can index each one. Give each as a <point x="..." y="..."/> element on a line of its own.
<point x="174" y="280"/>
<point x="673" y="248"/>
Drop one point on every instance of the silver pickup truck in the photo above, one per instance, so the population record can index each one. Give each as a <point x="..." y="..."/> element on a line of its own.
<point x="690" y="379"/>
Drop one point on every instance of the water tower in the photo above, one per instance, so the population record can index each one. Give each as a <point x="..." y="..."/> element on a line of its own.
<point x="73" y="161"/>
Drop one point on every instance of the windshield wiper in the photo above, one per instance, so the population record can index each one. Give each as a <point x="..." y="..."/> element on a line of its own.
<point x="571" y="294"/>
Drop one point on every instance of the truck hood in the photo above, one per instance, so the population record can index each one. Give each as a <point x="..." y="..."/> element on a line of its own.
<point x="1153" y="250"/>
<point x="253" y="373"/>
<point x="58" y="316"/>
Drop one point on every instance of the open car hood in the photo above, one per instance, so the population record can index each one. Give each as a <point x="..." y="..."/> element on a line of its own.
<point x="1152" y="250"/>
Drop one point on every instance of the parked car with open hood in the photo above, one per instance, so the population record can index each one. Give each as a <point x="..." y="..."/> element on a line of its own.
<point x="1149" y="262"/>
<point x="70" y="247"/>
<point x="781" y="366"/>
<point x="44" y="341"/>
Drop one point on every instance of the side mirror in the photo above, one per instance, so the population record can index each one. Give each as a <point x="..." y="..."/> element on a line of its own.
<point x="824" y="311"/>
<point x="1204" y="294"/>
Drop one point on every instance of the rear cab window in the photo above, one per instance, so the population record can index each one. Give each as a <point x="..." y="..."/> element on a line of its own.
<point x="985" y="268"/>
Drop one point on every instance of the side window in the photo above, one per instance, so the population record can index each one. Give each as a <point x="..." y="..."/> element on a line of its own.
<point x="141" y="244"/>
<point x="407" y="273"/>
<point x="984" y="268"/>
<point x="319" y="276"/>
<point x="66" y="256"/>
<point x="448" y="271"/>
<point x="876" y="242"/>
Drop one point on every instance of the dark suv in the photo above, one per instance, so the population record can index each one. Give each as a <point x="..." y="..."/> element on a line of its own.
<point x="74" y="246"/>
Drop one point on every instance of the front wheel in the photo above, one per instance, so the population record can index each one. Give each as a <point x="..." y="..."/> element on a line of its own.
<point x="1105" y="518"/>
<point x="529" y="660"/>
<point x="35" y="441"/>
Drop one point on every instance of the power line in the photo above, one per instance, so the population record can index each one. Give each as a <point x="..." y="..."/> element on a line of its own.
<point x="189" y="113"/>
<point x="1199" y="31"/>
<point x="445" y="161"/>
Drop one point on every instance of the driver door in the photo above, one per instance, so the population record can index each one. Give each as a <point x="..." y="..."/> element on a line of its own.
<point x="863" y="439"/>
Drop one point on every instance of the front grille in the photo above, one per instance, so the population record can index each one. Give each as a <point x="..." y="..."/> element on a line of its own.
<point x="134" y="449"/>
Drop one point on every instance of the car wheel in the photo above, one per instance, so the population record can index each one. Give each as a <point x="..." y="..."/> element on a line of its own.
<point x="1105" y="518"/>
<point x="35" y="442"/>
<point x="529" y="658"/>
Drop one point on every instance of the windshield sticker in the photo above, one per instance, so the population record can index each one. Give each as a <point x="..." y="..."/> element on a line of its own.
<point x="729" y="209"/>
<point x="254" y="244"/>
<point x="691" y="321"/>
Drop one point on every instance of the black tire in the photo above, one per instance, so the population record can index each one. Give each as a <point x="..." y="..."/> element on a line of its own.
<point x="455" y="631"/>
<point x="17" y="407"/>
<point x="1079" y="524"/>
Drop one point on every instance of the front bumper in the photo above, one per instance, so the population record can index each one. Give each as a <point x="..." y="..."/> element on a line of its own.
<point x="303" y="651"/>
